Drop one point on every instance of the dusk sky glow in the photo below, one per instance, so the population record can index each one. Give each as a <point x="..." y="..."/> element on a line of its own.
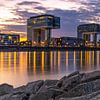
<point x="14" y="14"/>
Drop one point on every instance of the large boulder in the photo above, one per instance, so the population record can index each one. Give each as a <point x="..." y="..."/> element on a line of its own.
<point x="15" y="96"/>
<point x="48" y="84"/>
<point x="19" y="89"/>
<point x="47" y="95"/>
<point x="91" y="76"/>
<point x="73" y="74"/>
<point x="33" y="87"/>
<point x="70" y="81"/>
<point x="92" y="96"/>
<point x="60" y="82"/>
<point x="5" y="89"/>
<point x="5" y="97"/>
<point x="82" y="89"/>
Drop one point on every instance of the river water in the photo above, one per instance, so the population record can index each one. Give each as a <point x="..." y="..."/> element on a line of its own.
<point x="19" y="68"/>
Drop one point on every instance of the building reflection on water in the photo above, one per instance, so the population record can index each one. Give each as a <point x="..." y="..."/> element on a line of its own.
<point x="28" y="66"/>
<point x="58" y="62"/>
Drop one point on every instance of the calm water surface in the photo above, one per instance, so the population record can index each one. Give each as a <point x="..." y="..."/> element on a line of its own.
<point x="18" y="68"/>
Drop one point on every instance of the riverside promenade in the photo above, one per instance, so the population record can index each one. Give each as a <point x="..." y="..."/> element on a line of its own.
<point x="75" y="86"/>
<point x="26" y="48"/>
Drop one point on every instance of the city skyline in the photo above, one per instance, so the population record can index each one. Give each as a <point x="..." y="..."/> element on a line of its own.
<point x="14" y="14"/>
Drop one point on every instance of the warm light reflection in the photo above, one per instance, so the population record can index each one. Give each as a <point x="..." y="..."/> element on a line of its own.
<point x="74" y="58"/>
<point x="51" y="58"/>
<point x="89" y="58"/>
<point x="59" y="61"/>
<point x="27" y="66"/>
<point x="98" y="58"/>
<point x="93" y="57"/>
<point x="43" y="62"/>
<point x="54" y="58"/>
<point x="2" y="61"/>
<point x="86" y="57"/>
<point x="23" y="62"/>
<point x="9" y="61"/>
<point x="66" y="58"/>
<point x="34" y="66"/>
<point x="15" y="58"/>
<point x="81" y="58"/>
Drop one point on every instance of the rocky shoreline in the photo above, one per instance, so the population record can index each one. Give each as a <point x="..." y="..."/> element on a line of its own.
<point x="76" y="86"/>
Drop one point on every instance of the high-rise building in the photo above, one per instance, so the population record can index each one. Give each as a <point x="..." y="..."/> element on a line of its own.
<point x="88" y="32"/>
<point x="39" y="28"/>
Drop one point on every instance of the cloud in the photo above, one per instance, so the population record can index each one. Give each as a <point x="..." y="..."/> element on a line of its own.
<point x="28" y="3"/>
<point x="41" y="8"/>
<point x="72" y="13"/>
<point x="15" y="29"/>
<point x="69" y="22"/>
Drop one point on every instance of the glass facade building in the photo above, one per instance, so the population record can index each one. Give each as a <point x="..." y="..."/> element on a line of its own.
<point x="88" y="28"/>
<point x="88" y="32"/>
<point x="9" y="39"/>
<point x="39" y="28"/>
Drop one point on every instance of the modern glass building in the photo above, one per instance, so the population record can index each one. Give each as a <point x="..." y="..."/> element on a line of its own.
<point x="39" y="28"/>
<point x="9" y="39"/>
<point x="88" y="32"/>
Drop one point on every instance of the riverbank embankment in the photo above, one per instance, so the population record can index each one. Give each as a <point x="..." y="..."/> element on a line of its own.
<point x="75" y="86"/>
<point x="30" y="49"/>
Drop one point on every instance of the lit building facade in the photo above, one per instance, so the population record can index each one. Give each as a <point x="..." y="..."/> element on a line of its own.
<point x="66" y="42"/>
<point x="9" y="39"/>
<point x="89" y="33"/>
<point x="72" y="41"/>
<point x="55" y="42"/>
<point x="39" y="28"/>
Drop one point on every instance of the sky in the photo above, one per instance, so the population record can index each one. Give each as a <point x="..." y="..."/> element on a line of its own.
<point x="14" y="14"/>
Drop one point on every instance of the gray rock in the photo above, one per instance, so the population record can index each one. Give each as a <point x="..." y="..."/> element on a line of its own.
<point x="85" y="88"/>
<point x="92" y="96"/>
<point x="76" y="86"/>
<point x="91" y="76"/>
<point x="5" y="89"/>
<point x="82" y="89"/>
<point x="33" y="87"/>
<point x="41" y="96"/>
<point x="47" y="85"/>
<point x="16" y="96"/>
<point x="31" y="96"/>
<point x="50" y="82"/>
<point x="20" y="89"/>
<point x="49" y="94"/>
<point x="26" y="97"/>
<point x="73" y="74"/>
<point x="68" y="83"/>
<point x="60" y="82"/>
<point x="5" y="97"/>
<point x="70" y="80"/>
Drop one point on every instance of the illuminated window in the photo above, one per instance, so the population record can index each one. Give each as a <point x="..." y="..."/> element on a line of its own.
<point x="10" y="37"/>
